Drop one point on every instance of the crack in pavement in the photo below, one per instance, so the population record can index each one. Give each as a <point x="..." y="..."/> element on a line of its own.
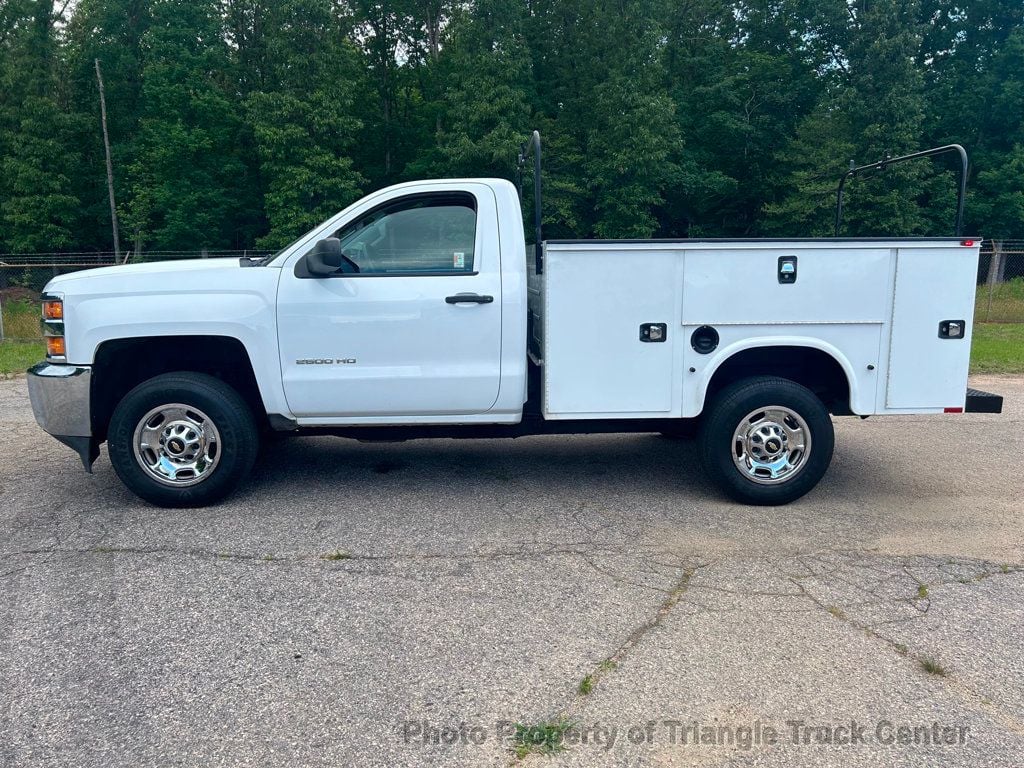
<point x="965" y="693"/>
<point x="607" y="665"/>
<point x="815" y="566"/>
<point x="337" y="556"/>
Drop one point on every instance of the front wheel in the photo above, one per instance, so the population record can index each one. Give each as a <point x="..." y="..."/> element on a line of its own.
<point x="766" y="440"/>
<point x="182" y="440"/>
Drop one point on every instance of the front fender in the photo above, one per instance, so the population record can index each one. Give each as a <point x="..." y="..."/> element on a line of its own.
<point x="231" y="302"/>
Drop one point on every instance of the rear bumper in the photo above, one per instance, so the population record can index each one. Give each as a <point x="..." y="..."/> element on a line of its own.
<point x="60" y="396"/>
<point x="983" y="402"/>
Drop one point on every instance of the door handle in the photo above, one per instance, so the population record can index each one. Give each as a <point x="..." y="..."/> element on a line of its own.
<point x="468" y="298"/>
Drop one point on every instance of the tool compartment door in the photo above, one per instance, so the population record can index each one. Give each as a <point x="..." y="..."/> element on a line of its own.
<point x="932" y="285"/>
<point x="596" y="298"/>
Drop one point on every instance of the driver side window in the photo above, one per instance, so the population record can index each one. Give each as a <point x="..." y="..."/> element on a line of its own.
<point x="420" y="235"/>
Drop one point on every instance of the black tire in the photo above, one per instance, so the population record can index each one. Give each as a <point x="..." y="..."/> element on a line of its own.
<point x="723" y="418"/>
<point x="235" y="450"/>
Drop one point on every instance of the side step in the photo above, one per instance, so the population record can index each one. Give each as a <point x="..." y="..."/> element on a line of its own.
<point x="983" y="402"/>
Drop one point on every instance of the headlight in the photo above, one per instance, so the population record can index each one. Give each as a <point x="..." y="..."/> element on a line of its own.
<point x="53" y="327"/>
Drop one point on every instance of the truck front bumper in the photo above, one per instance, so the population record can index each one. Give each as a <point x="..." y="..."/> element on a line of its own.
<point x="60" y="396"/>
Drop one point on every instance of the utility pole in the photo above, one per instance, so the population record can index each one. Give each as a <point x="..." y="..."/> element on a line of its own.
<point x="110" y="165"/>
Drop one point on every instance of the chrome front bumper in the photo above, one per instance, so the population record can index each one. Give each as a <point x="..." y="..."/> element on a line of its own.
<point x="60" y="396"/>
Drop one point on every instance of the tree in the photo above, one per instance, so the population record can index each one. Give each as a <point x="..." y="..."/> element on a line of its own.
<point x="302" y="119"/>
<point x="1000" y="204"/>
<point x="815" y="157"/>
<point x="997" y="202"/>
<point x="390" y="105"/>
<point x="236" y="123"/>
<point x="38" y="208"/>
<point x="877" y="109"/>
<point x="610" y="116"/>
<point x="186" y="173"/>
<point x="742" y="81"/>
<point x="111" y="31"/>
<point x="483" y="112"/>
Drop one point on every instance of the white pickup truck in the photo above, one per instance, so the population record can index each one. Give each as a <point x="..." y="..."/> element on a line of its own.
<point x="419" y="311"/>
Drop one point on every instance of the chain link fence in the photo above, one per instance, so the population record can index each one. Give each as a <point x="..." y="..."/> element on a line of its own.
<point x="1000" y="293"/>
<point x="1000" y="297"/>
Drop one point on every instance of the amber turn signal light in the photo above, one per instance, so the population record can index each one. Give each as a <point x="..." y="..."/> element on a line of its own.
<point x="53" y="310"/>
<point x="55" y="346"/>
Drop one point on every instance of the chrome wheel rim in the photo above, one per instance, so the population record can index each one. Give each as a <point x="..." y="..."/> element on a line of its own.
<point x="771" y="445"/>
<point x="177" y="445"/>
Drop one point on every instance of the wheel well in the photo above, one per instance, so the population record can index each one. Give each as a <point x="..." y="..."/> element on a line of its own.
<point x="122" y="364"/>
<point x="817" y="370"/>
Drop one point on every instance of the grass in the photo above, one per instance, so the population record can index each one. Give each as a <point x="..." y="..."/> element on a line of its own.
<point x="933" y="667"/>
<point x="589" y="682"/>
<point x="922" y="591"/>
<point x="336" y="555"/>
<point x="20" y="349"/>
<point x="998" y="348"/>
<point x="21" y="319"/>
<point x="18" y="356"/>
<point x="1007" y="304"/>
<point x="542" y="739"/>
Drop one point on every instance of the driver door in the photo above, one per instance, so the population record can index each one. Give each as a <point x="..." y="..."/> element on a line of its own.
<point x="388" y="338"/>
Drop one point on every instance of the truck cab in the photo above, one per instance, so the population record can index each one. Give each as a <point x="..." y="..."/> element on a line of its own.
<point x="418" y="317"/>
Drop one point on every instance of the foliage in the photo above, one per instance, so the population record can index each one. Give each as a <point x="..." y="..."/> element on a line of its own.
<point x="20" y="319"/>
<point x="997" y="348"/>
<point x="186" y="172"/>
<point x="38" y="156"/>
<point x="241" y="123"/>
<point x="301" y="118"/>
<point x="545" y="738"/>
<point x="17" y="357"/>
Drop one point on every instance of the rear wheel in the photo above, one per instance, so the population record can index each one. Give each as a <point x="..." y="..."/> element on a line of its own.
<point x="182" y="440"/>
<point x="766" y="440"/>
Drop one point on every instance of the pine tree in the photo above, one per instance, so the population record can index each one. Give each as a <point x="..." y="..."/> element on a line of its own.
<point x="599" y="67"/>
<point x="237" y="121"/>
<point x="996" y="205"/>
<point x="815" y="158"/>
<point x="38" y="160"/>
<point x="389" y="101"/>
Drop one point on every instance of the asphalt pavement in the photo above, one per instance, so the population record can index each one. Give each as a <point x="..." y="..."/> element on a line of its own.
<point x="409" y="603"/>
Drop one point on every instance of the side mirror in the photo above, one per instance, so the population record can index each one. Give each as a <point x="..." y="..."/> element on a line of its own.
<point x="326" y="257"/>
